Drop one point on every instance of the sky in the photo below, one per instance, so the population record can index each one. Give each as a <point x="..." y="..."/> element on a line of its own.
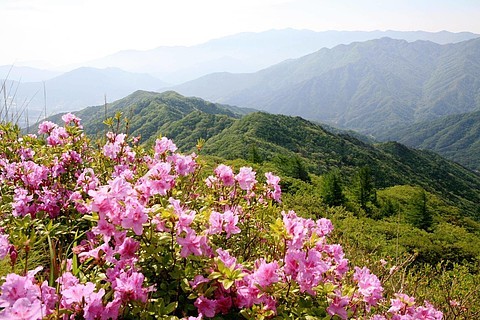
<point x="55" y="33"/>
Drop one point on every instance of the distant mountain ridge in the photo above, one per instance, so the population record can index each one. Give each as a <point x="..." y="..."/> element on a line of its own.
<point x="364" y="86"/>
<point x="76" y="89"/>
<point x="251" y="51"/>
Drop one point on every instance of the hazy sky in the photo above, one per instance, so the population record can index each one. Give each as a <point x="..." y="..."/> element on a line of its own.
<point x="67" y="31"/>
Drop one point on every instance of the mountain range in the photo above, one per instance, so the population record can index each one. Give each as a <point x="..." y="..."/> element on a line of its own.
<point x="74" y="90"/>
<point x="364" y="86"/>
<point x="231" y="133"/>
<point x="250" y="51"/>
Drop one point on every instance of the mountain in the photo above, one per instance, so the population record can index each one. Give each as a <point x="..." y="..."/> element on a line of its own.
<point x="151" y="114"/>
<point x="77" y="89"/>
<point x="250" y="52"/>
<point x="26" y="74"/>
<point x="456" y="137"/>
<point x="365" y="86"/>
<point x="233" y="133"/>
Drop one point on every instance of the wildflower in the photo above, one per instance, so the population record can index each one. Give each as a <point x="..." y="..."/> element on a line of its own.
<point x="266" y="273"/>
<point x="225" y="174"/>
<point x="246" y="178"/>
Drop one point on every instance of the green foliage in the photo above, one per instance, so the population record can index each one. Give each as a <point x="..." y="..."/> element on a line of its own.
<point x="331" y="190"/>
<point x="364" y="189"/>
<point x="419" y="215"/>
<point x="455" y="137"/>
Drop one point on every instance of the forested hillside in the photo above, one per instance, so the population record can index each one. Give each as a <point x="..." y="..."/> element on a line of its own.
<point x="456" y="137"/>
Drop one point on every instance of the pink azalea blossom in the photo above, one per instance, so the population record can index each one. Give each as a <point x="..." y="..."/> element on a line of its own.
<point x="274" y="181"/>
<point x="134" y="216"/>
<point x="337" y="306"/>
<point x="158" y="179"/>
<point x="46" y="127"/>
<point x="230" y="221"/>
<point x="77" y="293"/>
<point x="227" y="259"/>
<point x="162" y="146"/>
<point x="4" y="245"/>
<point x="130" y="286"/>
<point x="225" y="174"/>
<point x="94" y="305"/>
<point x="205" y="306"/>
<point x="215" y="223"/>
<point x="69" y="117"/>
<point x="266" y="273"/>
<point x="184" y="165"/>
<point x="23" y="309"/>
<point x="190" y="244"/>
<point x="368" y="286"/>
<point x="246" y="178"/>
<point x="57" y="136"/>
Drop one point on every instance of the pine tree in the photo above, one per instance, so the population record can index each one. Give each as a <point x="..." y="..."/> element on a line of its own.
<point x="419" y="214"/>
<point x="364" y="188"/>
<point x="331" y="191"/>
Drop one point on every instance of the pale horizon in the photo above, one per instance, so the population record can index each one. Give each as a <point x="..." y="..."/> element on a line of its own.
<point x="56" y="33"/>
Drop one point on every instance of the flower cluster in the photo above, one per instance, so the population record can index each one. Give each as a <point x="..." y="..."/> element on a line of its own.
<point x="135" y="233"/>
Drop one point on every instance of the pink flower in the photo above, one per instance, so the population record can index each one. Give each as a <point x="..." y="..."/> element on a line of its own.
<point x="227" y="259"/>
<point x="130" y="286"/>
<point x="216" y="223"/>
<point x="323" y="227"/>
<point x="16" y="287"/>
<point x="115" y="145"/>
<point x="49" y="296"/>
<point x="205" y="306"/>
<point x="4" y="245"/>
<point x="77" y="293"/>
<point x="274" y="181"/>
<point x="67" y="118"/>
<point x="184" y="165"/>
<point x="128" y="249"/>
<point x="190" y="244"/>
<point x="246" y="178"/>
<point x="266" y="273"/>
<point x="199" y="279"/>
<point x="23" y="309"/>
<point x="401" y="302"/>
<point x="94" y="305"/>
<point x="210" y="181"/>
<point x="368" y="286"/>
<point x="46" y="127"/>
<point x="337" y="306"/>
<point x="162" y="146"/>
<point x="134" y="216"/>
<point x="158" y="179"/>
<point x="67" y="280"/>
<point x="22" y="203"/>
<point x="225" y="174"/>
<point x="230" y="220"/>
<point x="57" y="136"/>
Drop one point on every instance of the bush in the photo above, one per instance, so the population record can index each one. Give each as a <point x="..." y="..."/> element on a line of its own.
<point x="119" y="232"/>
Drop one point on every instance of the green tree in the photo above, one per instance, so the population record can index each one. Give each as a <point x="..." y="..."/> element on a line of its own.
<point x="419" y="214"/>
<point x="331" y="190"/>
<point x="253" y="154"/>
<point x="364" y="188"/>
<point x="292" y="167"/>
